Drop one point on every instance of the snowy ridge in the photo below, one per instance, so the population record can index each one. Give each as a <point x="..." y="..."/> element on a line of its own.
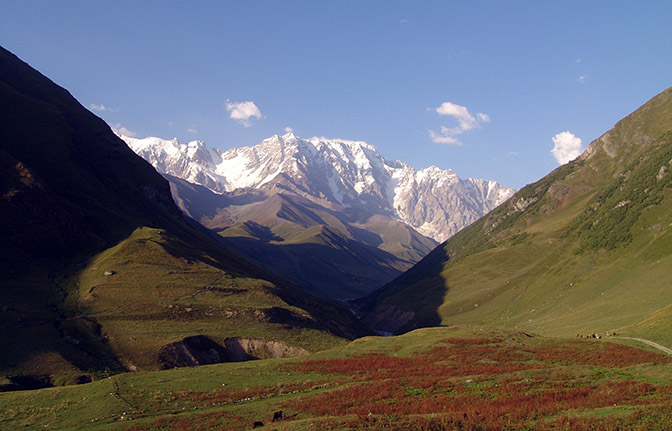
<point x="436" y="202"/>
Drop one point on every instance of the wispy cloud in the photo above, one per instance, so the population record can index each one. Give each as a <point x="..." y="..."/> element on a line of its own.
<point x="465" y="122"/>
<point x="566" y="147"/>
<point x="118" y="128"/>
<point x="289" y="130"/>
<point x="582" y="79"/>
<point x="444" y="137"/>
<point x="101" y="108"/>
<point x="242" y="112"/>
<point x="192" y="130"/>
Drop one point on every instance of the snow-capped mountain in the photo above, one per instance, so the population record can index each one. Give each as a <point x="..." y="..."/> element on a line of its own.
<point x="436" y="202"/>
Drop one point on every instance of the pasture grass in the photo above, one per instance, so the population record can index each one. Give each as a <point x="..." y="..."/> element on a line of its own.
<point x="464" y="377"/>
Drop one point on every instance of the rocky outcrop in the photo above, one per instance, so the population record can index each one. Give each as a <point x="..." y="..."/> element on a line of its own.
<point x="202" y="350"/>
<point x="192" y="351"/>
<point x="244" y="349"/>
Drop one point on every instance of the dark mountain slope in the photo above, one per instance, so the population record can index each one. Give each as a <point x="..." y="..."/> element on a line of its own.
<point x="335" y="253"/>
<point x="99" y="265"/>
<point x="585" y="249"/>
<point x="72" y="151"/>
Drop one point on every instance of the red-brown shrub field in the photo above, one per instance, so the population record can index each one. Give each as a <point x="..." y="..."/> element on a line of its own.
<point x="458" y="384"/>
<point x="483" y="384"/>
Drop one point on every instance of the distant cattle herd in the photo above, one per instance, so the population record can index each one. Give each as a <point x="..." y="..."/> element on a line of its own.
<point x="596" y="335"/>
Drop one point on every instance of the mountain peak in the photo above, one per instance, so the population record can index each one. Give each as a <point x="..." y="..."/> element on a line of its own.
<point x="631" y="135"/>
<point x="289" y="136"/>
<point x="343" y="143"/>
<point x="343" y="172"/>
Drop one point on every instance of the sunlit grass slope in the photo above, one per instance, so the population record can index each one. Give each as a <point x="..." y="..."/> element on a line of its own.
<point x="162" y="290"/>
<point x="586" y="249"/>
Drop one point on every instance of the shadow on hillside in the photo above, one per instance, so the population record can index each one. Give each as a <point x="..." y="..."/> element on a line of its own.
<point x="41" y="343"/>
<point x="336" y="273"/>
<point x="396" y="308"/>
<point x="325" y="315"/>
<point x="199" y="201"/>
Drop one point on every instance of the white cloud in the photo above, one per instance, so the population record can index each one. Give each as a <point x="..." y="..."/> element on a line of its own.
<point x="581" y="79"/>
<point x="566" y="147"/>
<point x="289" y="130"/>
<point x="191" y="130"/>
<point x="465" y="122"/>
<point x="101" y="108"/>
<point x="242" y="112"/>
<point x="118" y="128"/>
<point x="439" y="138"/>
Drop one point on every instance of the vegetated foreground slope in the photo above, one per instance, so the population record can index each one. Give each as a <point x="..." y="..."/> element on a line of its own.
<point x="586" y="249"/>
<point x="435" y="378"/>
<point x="100" y="270"/>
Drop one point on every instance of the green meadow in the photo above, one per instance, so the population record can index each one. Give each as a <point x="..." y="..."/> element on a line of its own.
<point x="434" y="378"/>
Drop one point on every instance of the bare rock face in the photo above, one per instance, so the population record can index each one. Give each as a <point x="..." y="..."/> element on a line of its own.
<point x="245" y="349"/>
<point x="351" y="174"/>
<point x="193" y="351"/>
<point x="201" y="350"/>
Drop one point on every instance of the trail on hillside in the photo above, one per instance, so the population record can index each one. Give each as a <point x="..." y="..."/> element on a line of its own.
<point x="650" y="343"/>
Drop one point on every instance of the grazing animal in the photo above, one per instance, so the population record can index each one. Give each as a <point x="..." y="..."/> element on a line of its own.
<point x="258" y="424"/>
<point x="277" y="416"/>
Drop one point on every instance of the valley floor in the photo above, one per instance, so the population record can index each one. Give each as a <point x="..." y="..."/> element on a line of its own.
<point x="467" y="378"/>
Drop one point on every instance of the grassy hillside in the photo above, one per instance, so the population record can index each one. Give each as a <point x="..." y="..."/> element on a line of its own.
<point x="101" y="273"/>
<point x="585" y="249"/>
<point x="466" y="378"/>
<point x="164" y="290"/>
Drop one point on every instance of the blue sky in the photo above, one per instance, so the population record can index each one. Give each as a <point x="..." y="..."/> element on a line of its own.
<point x="482" y="87"/>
